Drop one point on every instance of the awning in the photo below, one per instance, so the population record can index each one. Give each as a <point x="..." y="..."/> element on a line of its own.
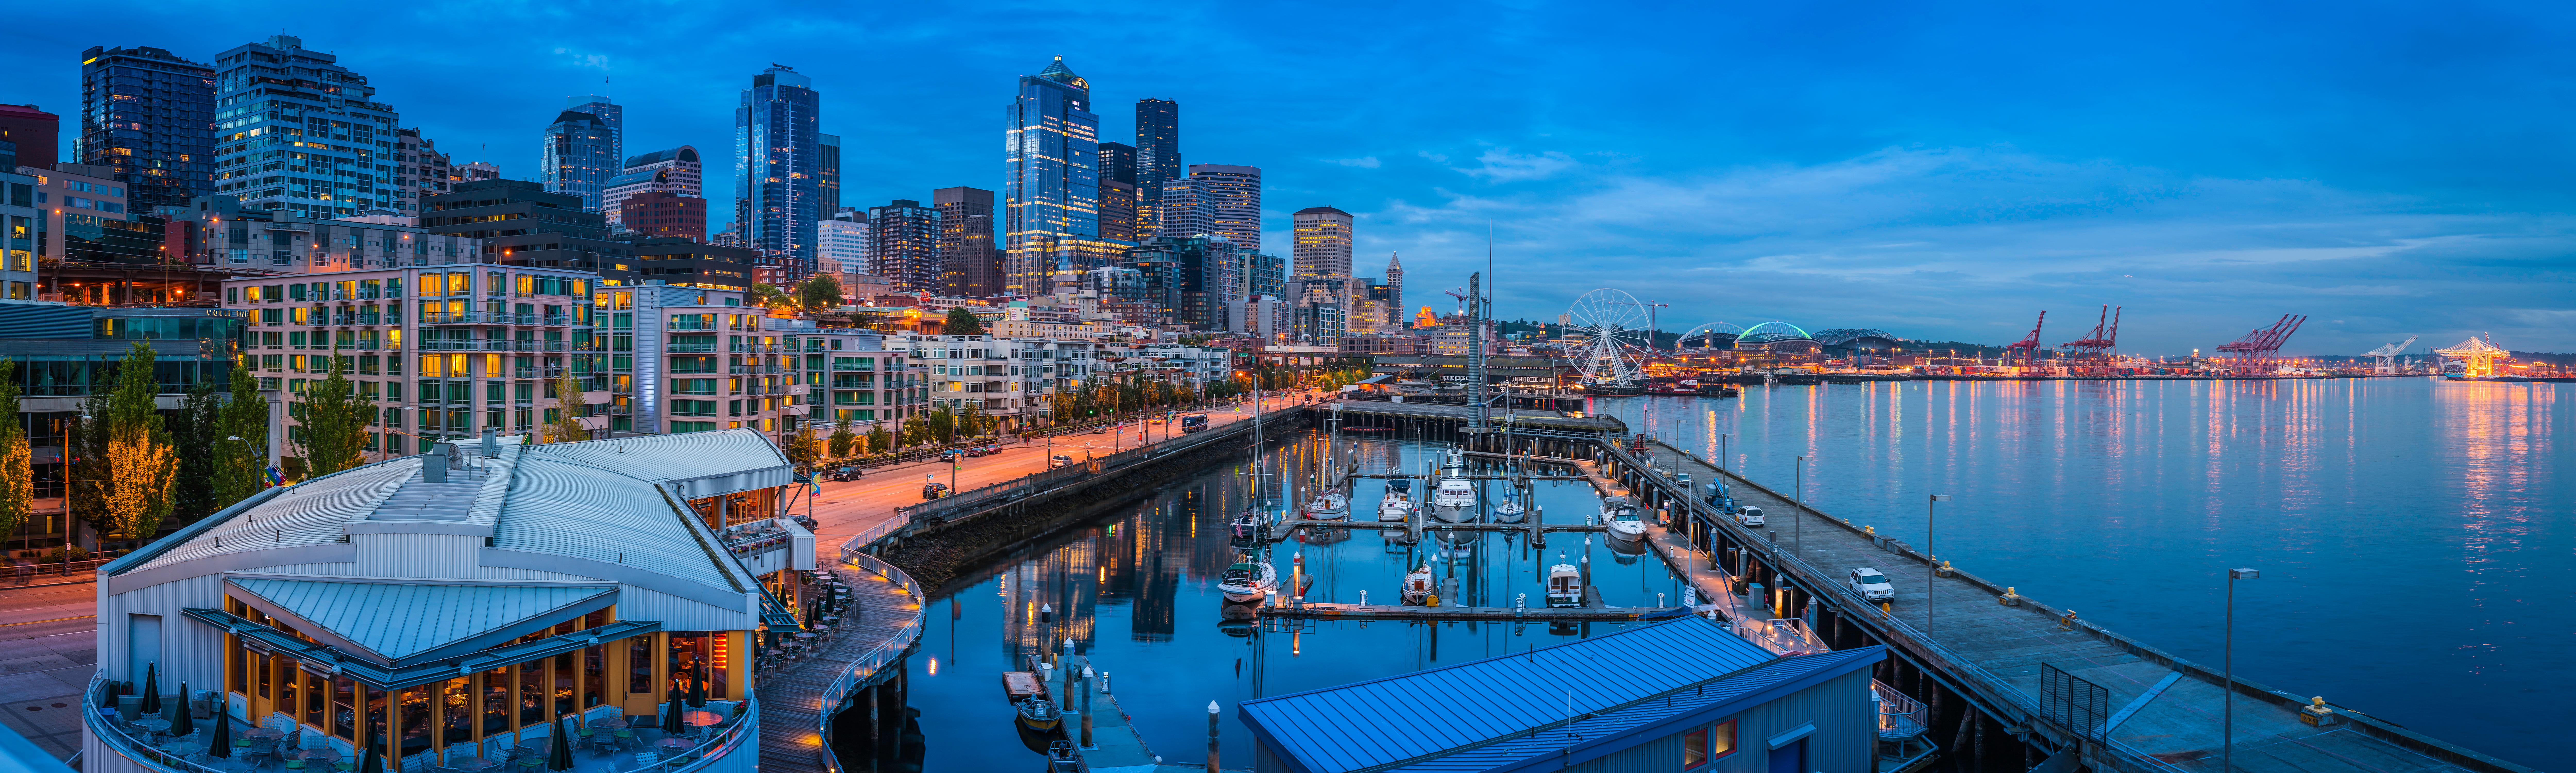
<point x="317" y="657"/>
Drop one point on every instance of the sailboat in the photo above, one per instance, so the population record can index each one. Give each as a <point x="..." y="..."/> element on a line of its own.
<point x="1247" y="581"/>
<point x="1509" y="511"/>
<point x="1419" y="587"/>
<point x="1564" y="584"/>
<point x="1249" y="527"/>
<point x="1330" y="506"/>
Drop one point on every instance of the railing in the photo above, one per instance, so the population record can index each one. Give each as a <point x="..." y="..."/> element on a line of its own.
<point x="865" y="667"/>
<point x="693" y="347"/>
<point x="1898" y="716"/>
<point x="113" y="733"/>
<point x="84" y="570"/>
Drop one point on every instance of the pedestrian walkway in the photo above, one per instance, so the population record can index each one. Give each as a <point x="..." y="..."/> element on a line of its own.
<point x="883" y="622"/>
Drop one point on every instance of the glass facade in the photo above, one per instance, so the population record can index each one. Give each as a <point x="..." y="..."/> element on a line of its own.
<point x="777" y="167"/>
<point x="294" y="130"/>
<point x="150" y="115"/>
<point x="582" y="150"/>
<point x="1052" y="186"/>
<point x="1158" y="155"/>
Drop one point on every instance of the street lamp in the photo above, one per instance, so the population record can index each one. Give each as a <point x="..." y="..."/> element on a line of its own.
<point x="1929" y="560"/>
<point x="2227" y="717"/>
<point x="1797" y="525"/>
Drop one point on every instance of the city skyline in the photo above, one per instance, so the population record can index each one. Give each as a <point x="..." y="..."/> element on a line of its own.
<point x="1952" y="192"/>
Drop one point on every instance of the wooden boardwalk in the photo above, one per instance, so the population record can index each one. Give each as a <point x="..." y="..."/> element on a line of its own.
<point x="791" y="704"/>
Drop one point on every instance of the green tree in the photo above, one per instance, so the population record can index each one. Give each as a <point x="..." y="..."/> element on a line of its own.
<point x="196" y="438"/>
<point x="335" y="423"/>
<point x="17" y="468"/>
<point x="238" y="463"/>
<point x="820" y="293"/>
<point x="915" y="430"/>
<point x="961" y="323"/>
<point x="141" y="465"/>
<point x="943" y="425"/>
<point x="804" y="448"/>
<point x="843" y="439"/>
<point x="570" y="408"/>
<point x="767" y="296"/>
<point x="87" y="436"/>
<point x="879" y="440"/>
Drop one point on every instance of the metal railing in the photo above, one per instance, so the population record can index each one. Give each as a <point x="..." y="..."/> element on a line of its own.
<point x="84" y="570"/>
<point x="864" y="668"/>
<point x="115" y="735"/>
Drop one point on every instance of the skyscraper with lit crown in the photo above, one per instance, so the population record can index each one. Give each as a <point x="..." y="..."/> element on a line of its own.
<point x="1051" y="191"/>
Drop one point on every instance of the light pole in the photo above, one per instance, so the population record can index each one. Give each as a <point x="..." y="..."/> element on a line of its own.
<point x="2227" y="717"/>
<point x="1721" y="450"/>
<point x="1929" y="560"/>
<point x="1797" y="524"/>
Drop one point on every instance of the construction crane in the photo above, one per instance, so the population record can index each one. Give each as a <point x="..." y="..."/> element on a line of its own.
<point x="2105" y="336"/>
<point x="2027" y="348"/>
<point x="2258" y="352"/>
<point x="2477" y="357"/>
<point x="2387" y="356"/>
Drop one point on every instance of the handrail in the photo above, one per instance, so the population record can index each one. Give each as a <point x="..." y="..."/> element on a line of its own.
<point x="114" y="735"/>
<point x="867" y="664"/>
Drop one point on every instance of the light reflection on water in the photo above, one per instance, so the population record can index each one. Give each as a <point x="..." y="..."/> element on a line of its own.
<point x="1136" y="590"/>
<point x="2416" y="536"/>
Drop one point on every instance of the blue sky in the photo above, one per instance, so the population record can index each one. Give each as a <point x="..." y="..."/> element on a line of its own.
<point x="1940" y="170"/>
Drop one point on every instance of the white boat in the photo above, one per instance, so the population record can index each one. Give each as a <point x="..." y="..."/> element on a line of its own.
<point x="1454" y="501"/>
<point x="1419" y="587"/>
<point x="1248" y="581"/>
<point x="1457" y="460"/>
<point x="1509" y="511"/>
<point x="1564" y="584"/>
<point x="1626" y="525"/>
<point x="1612" y="504"/>
<point x="1395" y="508"/>
<point x="1331" y="506"/>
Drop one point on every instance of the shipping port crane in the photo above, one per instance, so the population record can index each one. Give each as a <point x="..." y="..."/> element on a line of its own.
<point x="2259" y="351"/>
<point x="2027" y="349"/>
<point x="2387" y="355"/>
<point x="2105" y="336"/>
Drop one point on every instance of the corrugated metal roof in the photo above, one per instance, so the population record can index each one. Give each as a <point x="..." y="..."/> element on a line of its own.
<point x="1511" y="694"/>
<point x="680" y="457"/>
<point x="563" y="507"/>
<point x="387" y="619"/>
<point x="312" y="513"/>
<point x="1636" y="724"/>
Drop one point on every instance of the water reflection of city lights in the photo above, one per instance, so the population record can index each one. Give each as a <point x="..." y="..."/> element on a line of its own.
<point x="934" y="666"/>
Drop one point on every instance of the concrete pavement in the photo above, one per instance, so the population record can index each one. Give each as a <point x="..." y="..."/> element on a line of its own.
<point x="48" y="651"/>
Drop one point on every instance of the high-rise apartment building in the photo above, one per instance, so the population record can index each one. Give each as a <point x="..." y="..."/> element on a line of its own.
<point x="1218" y="200"/>
<point x="1051" y="189"/>
<point x="1323" y="243"/>
<point x="1119" y="202"/>
<point x="294" y="130"/>
<point x="903" y="245"/>
<point x="841" y="245"/>
<point x="1158" y="155"/>
<point x="1265" y="275"/>
<point x="827" y="189"/>
<point x="777" y="166"/>
<point x="33" y="135"/>
<point x="969" y="264"/>
<point x="420" y="172"/>
<point x="676" y="171"/>
<point x="581" y="149"/>
<point x="150" y="115"/>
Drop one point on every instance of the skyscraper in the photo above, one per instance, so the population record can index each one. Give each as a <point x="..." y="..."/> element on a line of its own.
<point x="676" y="171"/>
<point x="1118" y="195"/>
<point x="841" y="244"/>
<point x="1118" y="162"/>
<point x="1265" y="275"/>
<point x="580" y="151"/>
<point x="1395" y="291"/>
<point x="969" y="266"/>
<point x="1215" y="199"/>
<point x="903" y="245"/>
<point x="1323" y="245"/>
<point x="149" y="115"/>
<point x="1158" y="155"/>
<point x="777" y="165"/>
<point x="294" y="130"/>
<point x="827" y="188"/>
<point x="1052" y="187"/>
<point x="609" y="113"/>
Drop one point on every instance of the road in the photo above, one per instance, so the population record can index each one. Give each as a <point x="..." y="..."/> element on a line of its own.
<point x="846" y="509"/>
<point x="48" y="650"/>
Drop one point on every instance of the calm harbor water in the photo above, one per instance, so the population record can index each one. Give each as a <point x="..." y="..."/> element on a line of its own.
<point x="2413" y="535"/>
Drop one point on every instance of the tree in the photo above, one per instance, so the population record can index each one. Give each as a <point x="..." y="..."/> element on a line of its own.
<point x="140" y="463"/>
<point x="915" y="430"/>
<point x="17" y="468"/>
<point x="819" y="293"/>
<point x="237" y="463"/>
<point x="196" y="436"/>
<point x="961" y="323"/>
<point x="570" y="408"/>
<point x="335" y="424"/>
<point x="943" y="425"/>
<point x="767" y="296"/>
<point x="843" y="439"/>
<point x="804" y="448"/>
<point x="879" y="440"/>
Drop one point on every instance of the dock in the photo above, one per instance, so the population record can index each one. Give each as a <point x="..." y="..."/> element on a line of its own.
<point x="1095" y="723"/>
<point x="1331" y="611"/>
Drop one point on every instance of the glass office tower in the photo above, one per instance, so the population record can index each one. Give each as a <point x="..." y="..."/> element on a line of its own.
<point x="150" y="115"/>
<point x="582" y="150"/>
<point x="777" y="168"/>
<point x="1052" y="189"/>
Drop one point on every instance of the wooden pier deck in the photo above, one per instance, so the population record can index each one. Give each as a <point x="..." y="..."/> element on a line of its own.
<point x="1330" y="611"/>
<point x="886" y="614"/>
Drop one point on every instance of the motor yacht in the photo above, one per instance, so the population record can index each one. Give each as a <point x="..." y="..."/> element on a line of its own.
<point x="1564" y="584"/>
<point x="1454" y="501"/>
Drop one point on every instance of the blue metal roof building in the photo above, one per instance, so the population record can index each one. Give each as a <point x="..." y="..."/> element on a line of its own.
<point x="1683" y="696"/>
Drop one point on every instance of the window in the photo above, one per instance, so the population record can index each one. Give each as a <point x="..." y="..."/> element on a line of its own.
<point x="1708" y="744"/>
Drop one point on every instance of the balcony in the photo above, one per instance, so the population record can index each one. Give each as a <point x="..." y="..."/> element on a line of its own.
<point x="693" y="347"/>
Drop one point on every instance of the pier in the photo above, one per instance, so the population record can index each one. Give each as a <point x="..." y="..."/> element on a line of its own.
<point x="1330" y="611"/>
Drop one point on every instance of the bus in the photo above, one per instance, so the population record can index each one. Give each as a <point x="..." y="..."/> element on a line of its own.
<point x="1193" y="423"/>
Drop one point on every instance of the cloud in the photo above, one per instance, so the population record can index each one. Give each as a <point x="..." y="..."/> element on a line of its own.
<point x="586" y="61"/>
<point x="1502" y="165"/>
<point x="1368" y="162"/>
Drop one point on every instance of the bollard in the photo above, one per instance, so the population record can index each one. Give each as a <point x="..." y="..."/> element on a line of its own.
<point x="1659" y="598"/>
<point x="1211" y="763"/>
<point x="1363" y="597"/>
<point x="1104" y="683"/>
<point x="1086" y="708"/>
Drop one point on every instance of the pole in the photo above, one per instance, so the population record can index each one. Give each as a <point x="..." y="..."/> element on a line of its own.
<point x="1211" y="762"/>
<point x="1929" y="560"/>
<point x="1797" y="526"/>
<point x="2227" y="717"/>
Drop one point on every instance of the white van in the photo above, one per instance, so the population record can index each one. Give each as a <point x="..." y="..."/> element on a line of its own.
<point x="1750" y="517"/>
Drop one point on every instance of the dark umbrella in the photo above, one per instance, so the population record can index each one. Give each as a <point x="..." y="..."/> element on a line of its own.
<point x="559" y="750"/>
<point x="222" y="744"/>
<point x="671" y="716"/>
<point x="186" y="721"/>
<point x="698" y="693"/>
<point x="372" y="761"/>
<point x="151" y="688"/>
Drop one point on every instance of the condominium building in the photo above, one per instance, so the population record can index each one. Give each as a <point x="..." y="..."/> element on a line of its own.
<point x="21" y="224"/>
<point x="970" y="261"/>
<point x="1006" y="378"/>
<point x="295" y="130"/>
<point x="683" y="359"/>
<point x="903" y="245"/>
<point x="841" y="244"/>
<point x="284" y="241"/>
<point x="150" y="115"/>
<point x="1187" y="367"/>
<point x="443" y="351"/>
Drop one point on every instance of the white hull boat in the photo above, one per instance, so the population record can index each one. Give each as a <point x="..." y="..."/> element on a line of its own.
<point x="1329" y="507"/>
<point x="1419" y="587"/>
<point x="1395" y="508"/>
<point x="1454" y="501"/>
<point x="1626" y="525"/>
<point x="1564" y="584"/>
<point x="1248" y="581"/>
<point x="1509" y="511"/>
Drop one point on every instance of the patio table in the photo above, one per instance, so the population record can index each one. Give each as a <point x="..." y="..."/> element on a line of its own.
<point x="476" y="764"/>
<point x="154" y="725"/>
<point x="183" y="749"/>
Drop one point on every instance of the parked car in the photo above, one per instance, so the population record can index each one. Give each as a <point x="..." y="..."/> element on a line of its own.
<point x="1871" y="585"/>
<point x="1102" y="429"/>
<point x="844" y="473"/>
<point x="951" y="455"/>
<point x="934" y="490"/>
<point x="985" y="450"/>
<point x="1749" y="517"/>
<point x="1059" y="460"/>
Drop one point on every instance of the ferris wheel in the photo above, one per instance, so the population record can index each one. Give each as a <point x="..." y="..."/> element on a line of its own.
<point x="1606" y="333"/>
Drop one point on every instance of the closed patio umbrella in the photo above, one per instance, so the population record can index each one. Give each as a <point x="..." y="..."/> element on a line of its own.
<point x="222" y="744"/>
<point x="152" y="688"/>
<point x="185" y="721"/>
<point x="698" y="693"/>
<point x="559" y="748"/>
<point x="671" y="725"/>
<point x="372" y="761"/>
